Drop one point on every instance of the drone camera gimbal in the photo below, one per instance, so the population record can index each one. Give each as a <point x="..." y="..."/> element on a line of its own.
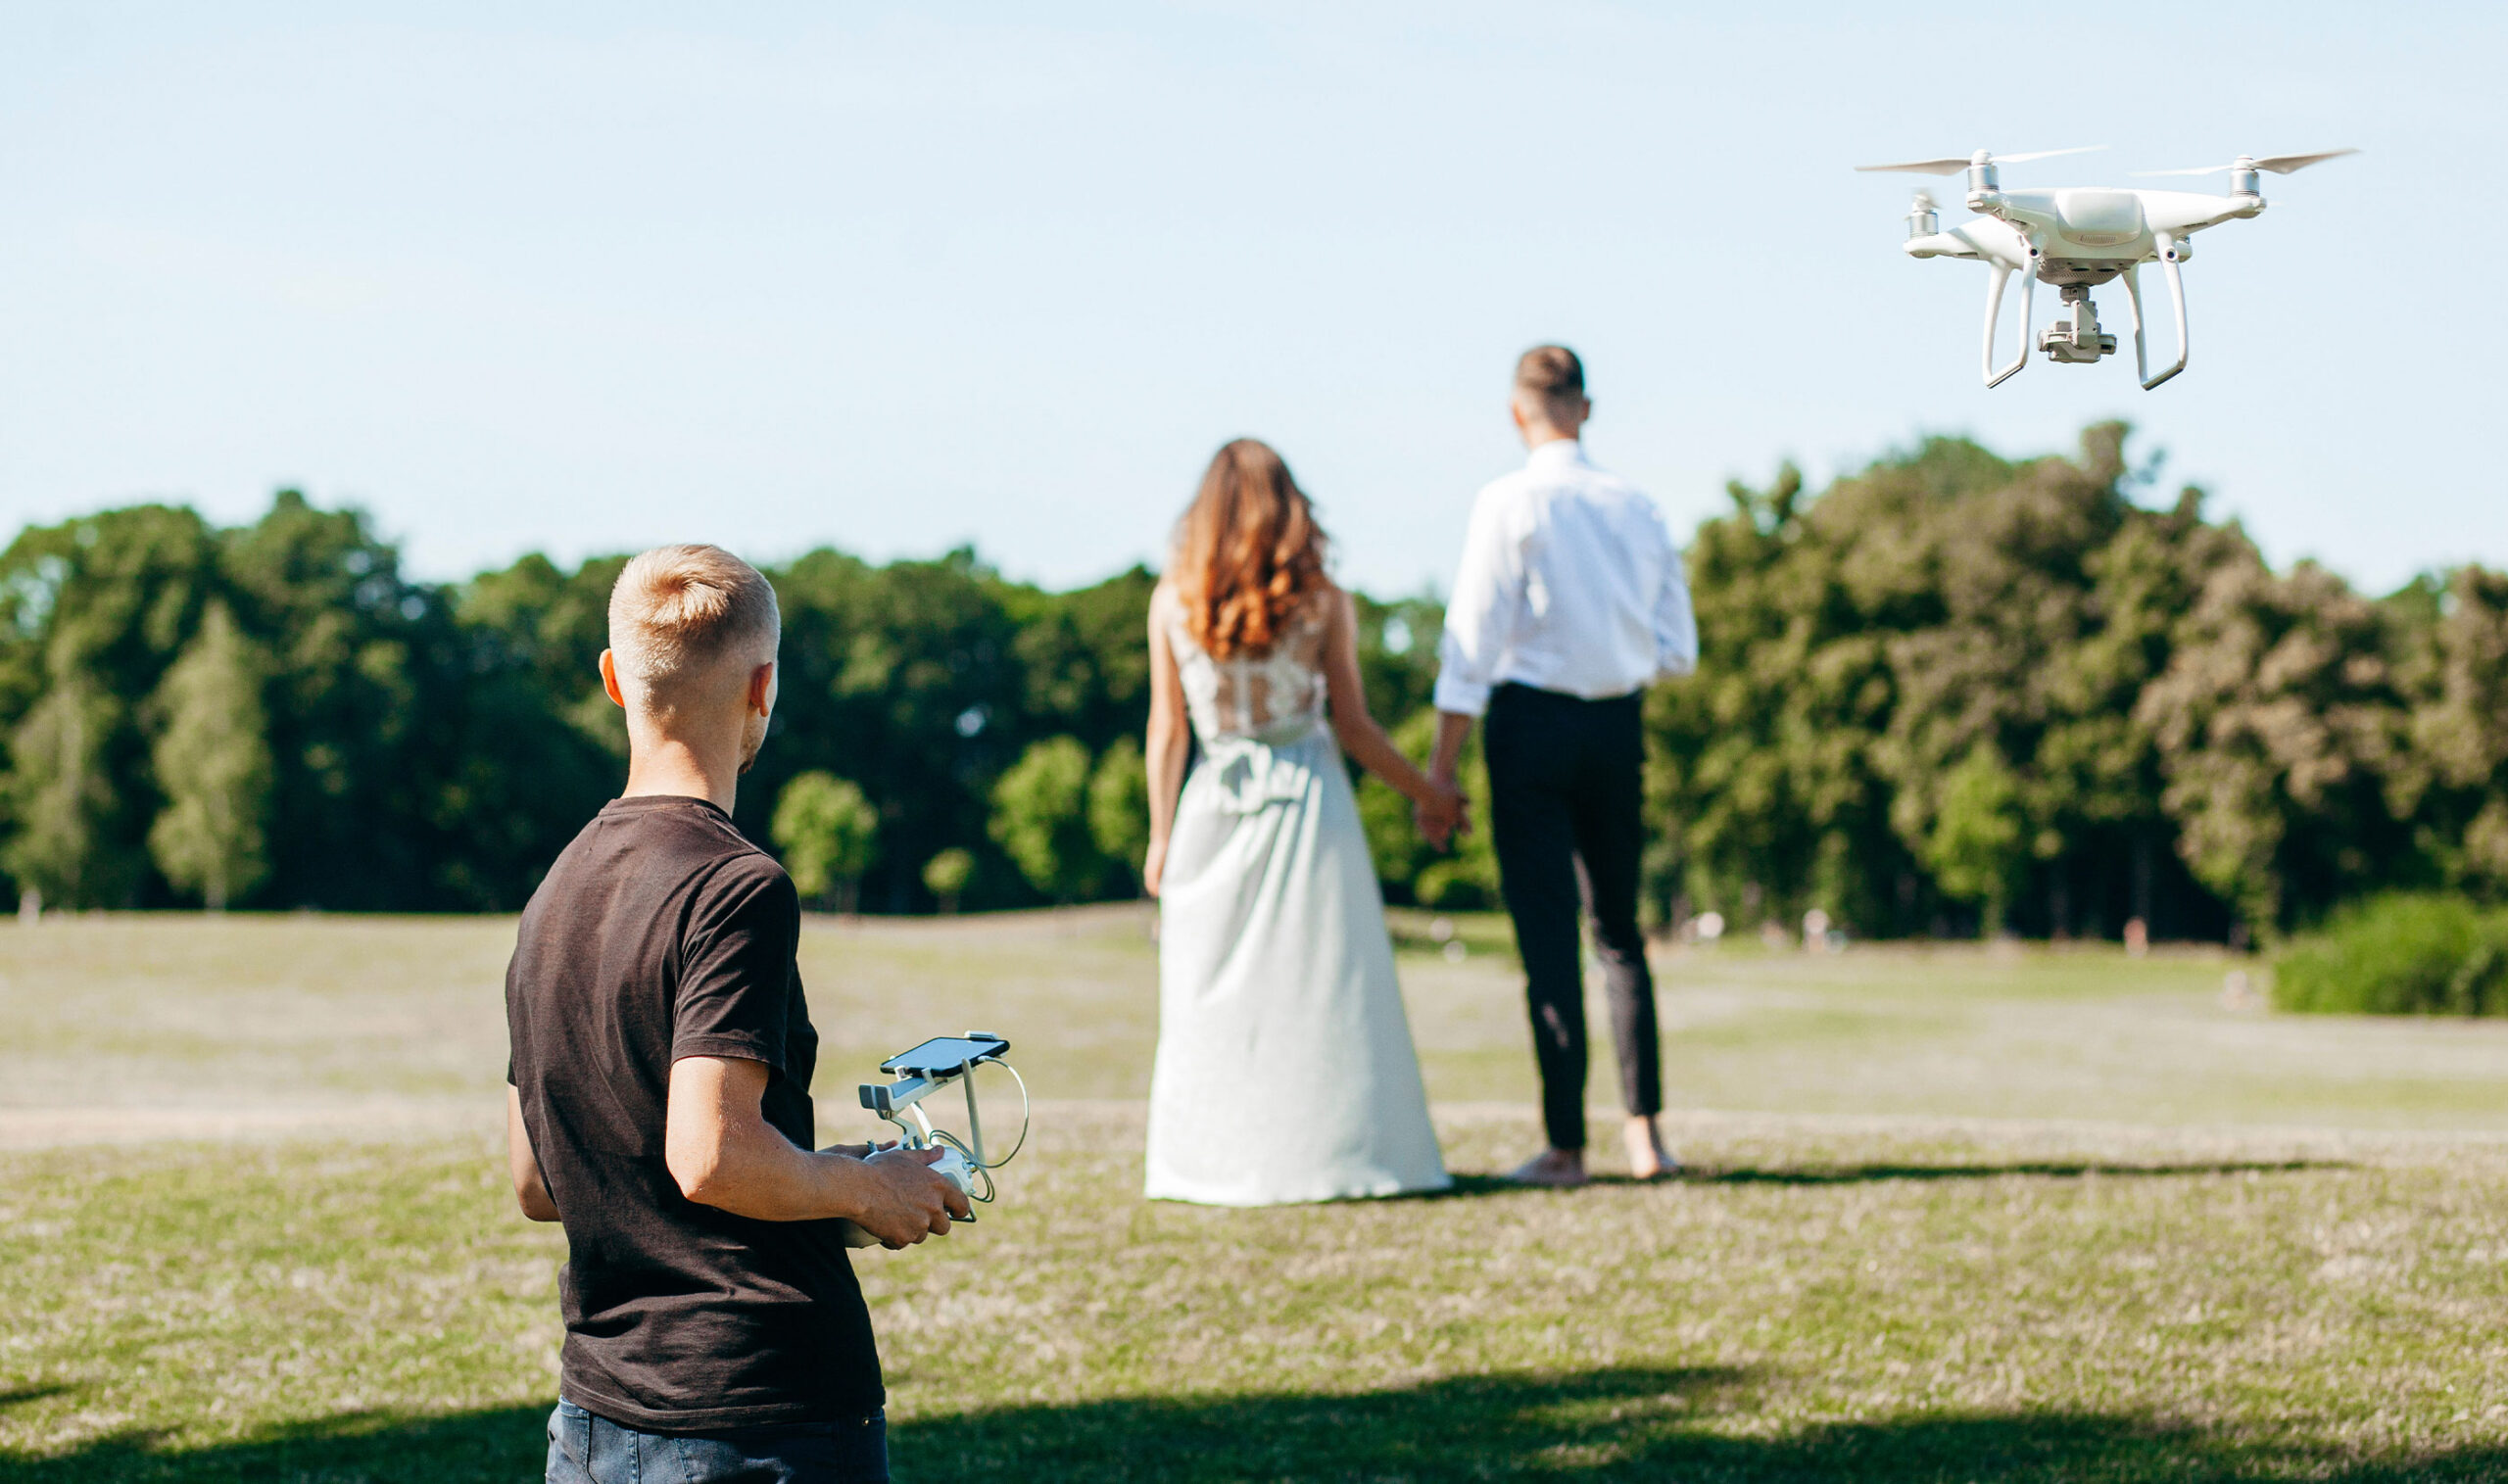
<point x="2076" y="339"/>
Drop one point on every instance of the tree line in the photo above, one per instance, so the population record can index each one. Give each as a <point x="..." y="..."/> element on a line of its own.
<point x="1950" y="694"/>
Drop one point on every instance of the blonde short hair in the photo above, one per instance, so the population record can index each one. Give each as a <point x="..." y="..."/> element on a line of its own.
<point x="676" y="611"/>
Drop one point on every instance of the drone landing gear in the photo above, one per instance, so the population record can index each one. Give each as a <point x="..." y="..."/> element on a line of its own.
<point x="2075" y="339"/>
<point x="2171" y="254"/>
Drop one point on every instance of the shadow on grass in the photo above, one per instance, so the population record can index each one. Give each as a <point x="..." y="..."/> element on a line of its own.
<point x="2051" y="1170"/>
<point x="1857" y="1174"/>
<point x="504" y="1444"/>
<point x="1600" y="1425"/>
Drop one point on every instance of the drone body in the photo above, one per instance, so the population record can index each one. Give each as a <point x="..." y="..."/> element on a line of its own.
<point x="2076" y="239"/>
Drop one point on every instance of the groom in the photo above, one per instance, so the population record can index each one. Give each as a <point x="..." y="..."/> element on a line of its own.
<point x="1569" y="602"/>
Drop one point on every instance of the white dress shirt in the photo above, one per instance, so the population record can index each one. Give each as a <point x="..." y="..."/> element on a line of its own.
<point x="1571" y="583"/>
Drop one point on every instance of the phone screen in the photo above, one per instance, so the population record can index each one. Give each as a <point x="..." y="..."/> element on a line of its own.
<point x="945" y="1053"/>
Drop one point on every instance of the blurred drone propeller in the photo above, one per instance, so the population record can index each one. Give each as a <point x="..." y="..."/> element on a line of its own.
<point x="2279" y="165"/>
<point x="1949" y="165"/>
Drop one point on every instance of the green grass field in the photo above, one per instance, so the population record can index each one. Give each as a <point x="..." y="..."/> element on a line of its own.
<point x="1957" y="1215"/>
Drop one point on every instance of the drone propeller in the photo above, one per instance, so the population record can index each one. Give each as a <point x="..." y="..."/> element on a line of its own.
<point x="1949" y="165"/>
<point x="2279" y="165"/>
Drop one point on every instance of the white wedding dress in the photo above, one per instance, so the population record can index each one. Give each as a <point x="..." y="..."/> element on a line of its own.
<point x="1286" y="1070"/>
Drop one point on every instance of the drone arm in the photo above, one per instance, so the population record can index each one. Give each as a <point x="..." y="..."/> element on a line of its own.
<point x="2179" y="214"/>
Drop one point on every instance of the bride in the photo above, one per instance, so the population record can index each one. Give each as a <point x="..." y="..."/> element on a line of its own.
<point x="1286" y="1070"/>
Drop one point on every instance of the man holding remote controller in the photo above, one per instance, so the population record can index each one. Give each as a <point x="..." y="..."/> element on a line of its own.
<point x="660" y="1104"/>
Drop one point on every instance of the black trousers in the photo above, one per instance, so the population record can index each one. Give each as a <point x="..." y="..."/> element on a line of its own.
<point x="1567" y="820"/>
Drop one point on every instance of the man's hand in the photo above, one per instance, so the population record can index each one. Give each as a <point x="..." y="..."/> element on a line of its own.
<point x="1446" y="761"/>
<point x="904" y="1202"/>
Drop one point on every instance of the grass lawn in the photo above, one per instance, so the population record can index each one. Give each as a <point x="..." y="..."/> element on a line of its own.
<point x="1957" y="1216"/>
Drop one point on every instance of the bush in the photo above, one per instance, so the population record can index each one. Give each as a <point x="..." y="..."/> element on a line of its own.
<point x="1040" y="817"/>
<point x="2403" y="954"/>
<point x="824" y="827"/>
<point x="946" y="875"/>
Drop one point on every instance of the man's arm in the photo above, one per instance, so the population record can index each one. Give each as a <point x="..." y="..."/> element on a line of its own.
<point x="1675" y="626"/>
<point x="1486" y="609"/>
<point x="530" y="1191"/>
<point x="723" y="1153"/>
<point x="1481" y="619"/>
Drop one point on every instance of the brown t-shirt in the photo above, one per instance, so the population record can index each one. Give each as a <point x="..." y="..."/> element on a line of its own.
<point x="661" y="933"/>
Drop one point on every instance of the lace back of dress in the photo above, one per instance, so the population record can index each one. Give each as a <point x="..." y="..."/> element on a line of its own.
<point x="1255" y="695"/>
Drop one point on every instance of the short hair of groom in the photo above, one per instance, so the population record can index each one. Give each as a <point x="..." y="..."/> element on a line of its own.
<point x="1554" y="378"/>
<point x="686" y="621"/>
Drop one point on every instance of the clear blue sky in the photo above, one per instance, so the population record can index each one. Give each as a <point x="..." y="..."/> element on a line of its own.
<point x="583" y="277"/>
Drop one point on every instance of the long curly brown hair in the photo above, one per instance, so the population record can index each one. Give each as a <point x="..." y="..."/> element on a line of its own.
<point x="1248" y="552"/>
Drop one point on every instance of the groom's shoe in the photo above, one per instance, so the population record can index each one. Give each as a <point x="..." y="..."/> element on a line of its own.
<point x="1648" y="1159"/>
<point x="1556" y="1168"/>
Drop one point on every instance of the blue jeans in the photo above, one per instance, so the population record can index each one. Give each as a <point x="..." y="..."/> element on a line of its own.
<point x="584" y="1449"/>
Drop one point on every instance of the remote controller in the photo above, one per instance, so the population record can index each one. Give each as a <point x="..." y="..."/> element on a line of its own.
<point x="921" y="1072"/>
<point x="952" y="1166"/>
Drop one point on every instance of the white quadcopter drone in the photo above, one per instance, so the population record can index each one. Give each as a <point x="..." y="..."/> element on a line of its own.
<point x="2076" y="239"/>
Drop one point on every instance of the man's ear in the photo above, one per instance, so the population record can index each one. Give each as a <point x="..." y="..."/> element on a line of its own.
<point x="610" y="678"/>
<point x="1516" y="410"/>
<point x="762" y="689"/>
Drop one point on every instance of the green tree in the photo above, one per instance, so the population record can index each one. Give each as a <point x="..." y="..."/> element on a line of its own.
<point x="366" y="695"/>
<point x="1083" y="656"/>
<point x="1978" y="840"/>
<point x="1118" y="805"/>
<point x="824" y="827"/>
<point x="2455" y="775"/>
<point x="1855" y="648"/>
<point x="61" y="795"/>
<point x="2279" y="720"/>
<point x="946" y="874"/>
<point x="1397" y="645"/>
<point x="212" y="764"/>
<point x="1041" y="818"/>
<point x="97" y="608"/>
<point x="523" y="743"/>
<point x="903" y="678"/>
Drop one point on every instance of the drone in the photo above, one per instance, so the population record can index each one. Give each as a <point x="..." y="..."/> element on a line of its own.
<point x="2078" y="239"/>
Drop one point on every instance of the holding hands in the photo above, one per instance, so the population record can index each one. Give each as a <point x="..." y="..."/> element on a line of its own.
<point x="1441" y="812"/>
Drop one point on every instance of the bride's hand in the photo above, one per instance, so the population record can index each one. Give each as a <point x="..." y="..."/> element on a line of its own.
<point x="1153" y="866"/>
